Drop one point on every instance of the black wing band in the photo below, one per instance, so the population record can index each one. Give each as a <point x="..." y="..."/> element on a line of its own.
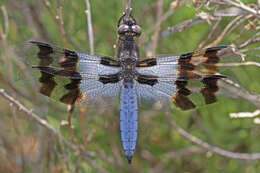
<point x="108" y="61"/>
<point x="111" y="78"/>
<point x="147" y="79"/>
<point x="148" y="62"/>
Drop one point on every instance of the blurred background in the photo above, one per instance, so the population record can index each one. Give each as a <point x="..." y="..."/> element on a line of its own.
<point x="90" y="140"/>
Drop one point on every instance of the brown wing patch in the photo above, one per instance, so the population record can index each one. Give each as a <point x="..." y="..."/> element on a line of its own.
<point x="181" y="99"/>
<point x="71" y="97"/>
<point x="48" y="83"/>
<point x="55" y="64"/>
<point x="57" y="57"/>
<point x="210" y="88"/>
<point x="212" y="59"/>
<point x="199" y="65"/>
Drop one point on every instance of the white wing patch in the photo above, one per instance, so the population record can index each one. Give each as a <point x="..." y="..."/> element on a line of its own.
<point x="166" y="71"/>
<point x="165" y="67"/>
<point x="90" y="70"/>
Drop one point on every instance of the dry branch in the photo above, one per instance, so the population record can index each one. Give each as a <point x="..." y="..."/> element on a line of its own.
<point x="157" y="29"/>
<point x="59" y="19"/>
<point x="238" y="4"/>
<point x="173" y="7"/>
<point x="239" y="64"/>
<point x="245" y="114"/>
<point x="90" y="28"/>
<point x="234" y="90"/>
<point x="4" y="42"/>
<point x="225" y="31"/>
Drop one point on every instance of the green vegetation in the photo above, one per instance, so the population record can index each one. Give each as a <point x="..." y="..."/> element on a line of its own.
<point x="25" y="146"/>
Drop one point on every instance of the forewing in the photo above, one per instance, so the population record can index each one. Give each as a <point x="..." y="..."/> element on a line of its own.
<point x="157" y="77"/>
<point x="98" y="80"/>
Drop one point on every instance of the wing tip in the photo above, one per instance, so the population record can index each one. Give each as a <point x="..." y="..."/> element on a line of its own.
<point x="216" y="48"/>
<point x="183" y="102"/>
<point x="39" y="43"/>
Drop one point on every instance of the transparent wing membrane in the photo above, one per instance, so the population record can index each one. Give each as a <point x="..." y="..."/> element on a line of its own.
<point x="92" y="89"/>
<point x="89" y="64"/>
<point x="165" y="67"/>
<point x="163" y="90"/>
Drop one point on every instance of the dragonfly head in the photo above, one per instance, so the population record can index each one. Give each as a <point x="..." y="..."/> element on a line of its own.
<point x="127" y="26"/>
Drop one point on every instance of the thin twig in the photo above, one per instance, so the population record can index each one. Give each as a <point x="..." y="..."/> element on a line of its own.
<point x="3" y="39"/>
<point x="234" y="90"/>
<point x="238" y="64"/>
<point x="173" y="7"/>
<point x="90" y="28"/>
<point x="224" y="32"/>
<point x="95" y="166"/>
<point x="87" y="136"/>
<point x="3" y="9"/>
<point x="129" y="4"/>
<point x="238" y="5"/>
<point x="54" y="16"/>
<point x="245" y="114"/>
<point x="156" y="35"/>
<point x="71" y="129"/>
<point x="128" y="8"/>
<point x="21" y="148"/>
<point x="180" y="27"/>
<point x="185" y="152"/>
<point x="211" y="148"/>
<point x="77" y="166"/>
<point x="249" y="42"/>
<point x="59" y="18"/>
<point x="245" y="29"/>
<point x="212" y="31"/>
<point x="236" y="25"/>
<point x="32" y="17"/>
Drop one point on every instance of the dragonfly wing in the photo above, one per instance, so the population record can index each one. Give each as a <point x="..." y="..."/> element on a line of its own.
<point x="169" y="77"/>
<point x="98" y="80"/>
<point x="152" y="84"/>
<point x="68" y="76"/>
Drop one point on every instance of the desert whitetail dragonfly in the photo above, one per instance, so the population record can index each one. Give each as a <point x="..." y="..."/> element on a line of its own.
<point x="82" y="76"/>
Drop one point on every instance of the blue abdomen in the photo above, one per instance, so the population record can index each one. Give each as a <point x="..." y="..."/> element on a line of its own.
<point x="128" y="118"/>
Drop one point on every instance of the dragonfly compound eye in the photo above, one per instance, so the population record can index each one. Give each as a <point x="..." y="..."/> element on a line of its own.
<point x="123" y="29"/>
<point x="137" y="29"/>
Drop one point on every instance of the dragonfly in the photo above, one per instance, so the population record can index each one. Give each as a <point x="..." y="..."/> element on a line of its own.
<point x="71" y="77"/>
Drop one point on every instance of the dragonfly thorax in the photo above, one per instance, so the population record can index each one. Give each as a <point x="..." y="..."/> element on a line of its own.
<point x="128" y="71"/>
